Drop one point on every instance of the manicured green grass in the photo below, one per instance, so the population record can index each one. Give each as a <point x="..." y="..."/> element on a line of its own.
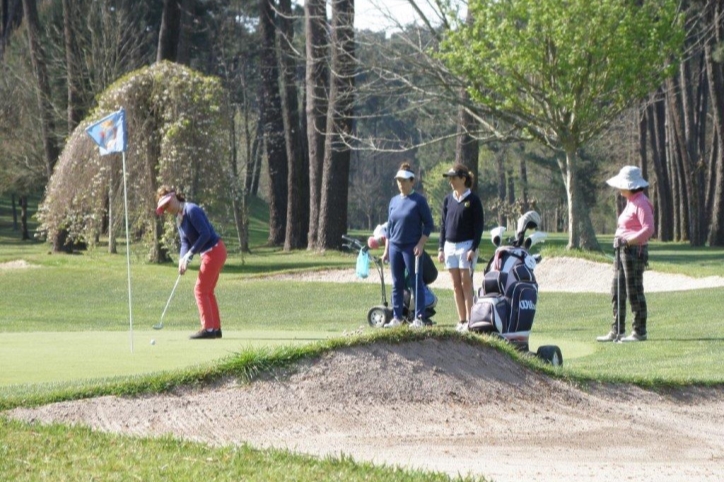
<point x="686" y="338"/>
<point x="72" y="312"/>
<point x="64" y="333"/>
<point x="81" y="454"/>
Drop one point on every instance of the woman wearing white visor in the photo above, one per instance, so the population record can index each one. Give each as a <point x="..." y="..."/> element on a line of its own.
<point x="409" y="224"/>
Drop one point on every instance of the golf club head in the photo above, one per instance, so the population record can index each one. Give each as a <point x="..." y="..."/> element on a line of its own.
<point x="496" y="235"/>
<point x="158" y="326"/>
<point x="529" y="220"/>
<point x="535" y="238"/>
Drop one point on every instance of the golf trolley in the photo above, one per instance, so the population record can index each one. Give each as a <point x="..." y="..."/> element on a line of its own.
<point x="506" y="302"/>
<point x="380" y="314"/>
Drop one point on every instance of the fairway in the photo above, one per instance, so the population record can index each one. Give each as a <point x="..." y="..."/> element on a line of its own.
<point x="50" y="357"/>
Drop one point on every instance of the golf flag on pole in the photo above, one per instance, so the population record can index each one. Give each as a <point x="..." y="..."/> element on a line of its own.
<point x="110" y="133"/>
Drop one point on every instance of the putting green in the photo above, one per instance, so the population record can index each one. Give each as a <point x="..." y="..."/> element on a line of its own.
<point x="48" y="357"/>
<point x="51" y="357"/>
<point x="570" y="349"/>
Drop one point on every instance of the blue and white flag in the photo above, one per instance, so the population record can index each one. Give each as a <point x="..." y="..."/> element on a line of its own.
<point x="110" y="133"/>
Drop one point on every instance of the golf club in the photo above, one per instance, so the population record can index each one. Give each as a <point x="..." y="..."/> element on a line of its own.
<point x="159" y="325"/>
<point x="417" y="278"/>
<point x="618" y="295"/>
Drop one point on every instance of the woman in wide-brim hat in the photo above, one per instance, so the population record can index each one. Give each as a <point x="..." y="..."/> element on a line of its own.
<point x="634" y="228"/>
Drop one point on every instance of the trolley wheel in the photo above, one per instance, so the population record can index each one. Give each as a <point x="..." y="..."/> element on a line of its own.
<point x="378" y="316"/>
<point x="551" y="354"/>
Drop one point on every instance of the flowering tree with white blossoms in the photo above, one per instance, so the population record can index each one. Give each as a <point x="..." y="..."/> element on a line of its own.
<point x="177" y="134"/>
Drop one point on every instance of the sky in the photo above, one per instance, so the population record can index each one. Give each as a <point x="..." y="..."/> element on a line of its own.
<point x="375" y="14"/>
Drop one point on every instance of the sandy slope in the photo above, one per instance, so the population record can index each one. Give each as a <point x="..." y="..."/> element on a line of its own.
<point x="442" y="405"/>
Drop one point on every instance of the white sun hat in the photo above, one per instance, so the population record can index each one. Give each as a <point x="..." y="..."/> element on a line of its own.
<point x="629" y="178"/>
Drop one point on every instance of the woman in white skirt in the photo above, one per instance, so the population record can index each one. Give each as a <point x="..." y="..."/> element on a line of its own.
<point x="461" y="228"/>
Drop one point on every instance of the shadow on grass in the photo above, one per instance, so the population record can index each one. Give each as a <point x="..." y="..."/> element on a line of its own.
<point x="683" y="254"/>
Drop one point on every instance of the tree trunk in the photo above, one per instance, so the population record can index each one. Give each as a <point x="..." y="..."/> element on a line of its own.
<point x="24" y="233"/>
<point x="15" y="212"/>
<point x="11" y="19"/>
<point x="71" y="68"/>
<point x="716" y="91"/>
<point x="316" y="107"/>
<point x="580" y="228"/>
<point x="186" y="19"/>
<point x="511" y="187"/>
<point x="257" y="149"/>
<point x="692" y="132"/>
<point x="655" y="116"/>
<point x="524" y="203"/>
<point x="298" y="176"/>
<point x="273" y="125"/>
<point x="335" y="175"/>
<point x="500" y="168"/>
<point x="686" y="169"/>
<point x="466" y="146"/>
<point x="45" y="108"/>
<point x="236" y="193"/>
<point x="169" y="32"/>
<point x="643" y="153"/>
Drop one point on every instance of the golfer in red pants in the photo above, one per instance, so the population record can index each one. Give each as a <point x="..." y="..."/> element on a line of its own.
<point x="197" y="236"/>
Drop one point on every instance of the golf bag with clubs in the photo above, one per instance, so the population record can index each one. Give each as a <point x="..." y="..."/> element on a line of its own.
<point x="507" y="300"/>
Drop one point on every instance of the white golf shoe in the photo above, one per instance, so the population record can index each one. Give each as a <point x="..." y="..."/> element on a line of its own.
<point x="393" y="323"/>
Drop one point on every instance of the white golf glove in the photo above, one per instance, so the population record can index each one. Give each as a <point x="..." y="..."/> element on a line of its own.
<point x="183" y="263"/>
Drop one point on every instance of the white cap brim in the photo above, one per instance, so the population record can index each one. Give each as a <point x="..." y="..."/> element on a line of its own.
<point x="402" y="174"/>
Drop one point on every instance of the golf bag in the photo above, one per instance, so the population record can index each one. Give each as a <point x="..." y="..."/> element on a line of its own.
<point x="429" y="275"/>
<point x="507" y="300"/>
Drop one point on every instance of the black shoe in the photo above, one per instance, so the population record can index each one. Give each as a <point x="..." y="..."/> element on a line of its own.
<point x="217" y="333"/>
<point x="205" y="334"/>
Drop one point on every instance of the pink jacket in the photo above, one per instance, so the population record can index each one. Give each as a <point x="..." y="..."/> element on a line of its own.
<point x="636" y="222"/>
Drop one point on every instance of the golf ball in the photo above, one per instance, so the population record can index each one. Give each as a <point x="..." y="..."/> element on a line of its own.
<point x="153" y="342"/>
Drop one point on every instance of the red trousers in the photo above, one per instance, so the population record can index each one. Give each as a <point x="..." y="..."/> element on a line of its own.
<point x="211" y="264"/>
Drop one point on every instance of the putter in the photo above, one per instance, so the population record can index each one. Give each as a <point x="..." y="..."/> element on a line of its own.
<point x="159" y="325"/>
<point x="618" y="295"/>
<point x="417" y="282"/>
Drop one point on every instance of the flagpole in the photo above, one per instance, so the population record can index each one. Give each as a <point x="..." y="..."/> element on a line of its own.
<point x="128" y="250"/>
<point x="110" y="135"/>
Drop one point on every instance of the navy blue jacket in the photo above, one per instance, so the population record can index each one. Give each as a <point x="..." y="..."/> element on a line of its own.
<point x="196" y="232"/>
<point x="461" y="221"/>
<point x="409" y="217"/>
